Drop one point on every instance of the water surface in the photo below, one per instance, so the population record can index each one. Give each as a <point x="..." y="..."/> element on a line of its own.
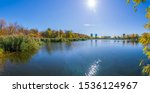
<point x="80" y="58"/>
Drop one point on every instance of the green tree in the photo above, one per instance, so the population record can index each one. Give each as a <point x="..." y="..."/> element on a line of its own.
<point x="61" y="33"/>
<point x="49" y="33"/>
<point x="69" y="34"/>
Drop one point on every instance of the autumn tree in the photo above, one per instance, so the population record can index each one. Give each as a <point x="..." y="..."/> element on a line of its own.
<point x="48" y="33"/>
<point x="2" y="26"/>
<point x="69" y="34"/>
<point x="34" y="33"/>
<point x="145" y="38"/>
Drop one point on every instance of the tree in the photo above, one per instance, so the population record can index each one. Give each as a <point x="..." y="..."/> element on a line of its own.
<point x="69" y="34"/>
<point x="61" y="33"/>
<point x="2" y="23"/>
<point x="49" y="33"/>
<point x="136" y="3"/>
<point x="145" y="38"/>
<point x="2" y="26"/>
<point x="34" y="33"/>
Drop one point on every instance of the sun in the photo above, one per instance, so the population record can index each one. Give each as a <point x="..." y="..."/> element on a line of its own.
<point x="91" y="4"/>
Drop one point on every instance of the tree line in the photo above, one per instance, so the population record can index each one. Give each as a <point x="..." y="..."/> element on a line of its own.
<point x="128" y="36"/>
<point x="15" y="29"/>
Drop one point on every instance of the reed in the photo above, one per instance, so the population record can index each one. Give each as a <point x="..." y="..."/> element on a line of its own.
<point x="1" y="52"/>
<point x="18" y="43"/>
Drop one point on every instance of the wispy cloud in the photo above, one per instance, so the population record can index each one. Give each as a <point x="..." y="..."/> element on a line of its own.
<point x="88" y="25"/>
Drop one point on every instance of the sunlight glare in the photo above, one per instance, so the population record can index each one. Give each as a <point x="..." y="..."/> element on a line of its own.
<point x="91" y="4"/>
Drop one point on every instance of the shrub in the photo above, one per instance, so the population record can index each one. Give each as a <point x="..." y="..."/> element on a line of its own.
<point x="29" y="44"/>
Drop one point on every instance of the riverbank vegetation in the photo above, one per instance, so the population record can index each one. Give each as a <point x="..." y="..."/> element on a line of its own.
<point x="15" y="38"/>
<point x="133" y="37"/>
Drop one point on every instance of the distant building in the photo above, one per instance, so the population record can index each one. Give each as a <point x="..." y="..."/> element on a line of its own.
<point x="105" y="37"/>
<point x="96" y="35"/>
<point x="91" y="35"/>
<point x="124" y="35"/>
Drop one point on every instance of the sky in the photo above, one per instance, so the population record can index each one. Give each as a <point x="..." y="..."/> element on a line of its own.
<point x="105" y="17"/>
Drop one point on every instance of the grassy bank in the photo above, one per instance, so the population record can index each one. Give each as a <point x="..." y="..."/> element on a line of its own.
<point x="15" y="38"/>
<point x="62" y="39"/>
<point x="18" y="43"/>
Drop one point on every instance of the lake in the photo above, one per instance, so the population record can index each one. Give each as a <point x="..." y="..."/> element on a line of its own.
<point x="80" y="58"/>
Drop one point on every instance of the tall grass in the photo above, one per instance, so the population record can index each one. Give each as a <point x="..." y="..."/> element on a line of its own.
<point x="18" y="43"/>
<point x="1" y="52"/>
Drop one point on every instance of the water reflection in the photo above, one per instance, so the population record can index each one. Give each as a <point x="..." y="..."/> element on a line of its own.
<point x="18" y="57"/>
<point x="93" y="69"/>
<point x="52" y="47"/>
<point x="127" y="42"/>
<point x="2" y="64"/>
<point x="94" y="42"/>
<point x="134" y="43"/>
<point x="91" y="42"/>
<point x="76" y="58"/>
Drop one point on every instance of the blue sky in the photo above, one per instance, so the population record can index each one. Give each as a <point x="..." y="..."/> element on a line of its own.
<point x="110" y="17"/>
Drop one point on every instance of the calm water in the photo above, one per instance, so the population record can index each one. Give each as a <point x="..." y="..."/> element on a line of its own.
<point x="81" y="58"/>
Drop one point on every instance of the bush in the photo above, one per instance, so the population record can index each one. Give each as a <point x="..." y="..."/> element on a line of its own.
<point x="30" y="44"/>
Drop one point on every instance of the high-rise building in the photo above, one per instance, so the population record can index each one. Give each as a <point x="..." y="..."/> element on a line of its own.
<point x="91" y="35"/>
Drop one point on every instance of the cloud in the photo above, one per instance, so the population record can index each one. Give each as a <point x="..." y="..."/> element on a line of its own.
<point x="88" y="25"/>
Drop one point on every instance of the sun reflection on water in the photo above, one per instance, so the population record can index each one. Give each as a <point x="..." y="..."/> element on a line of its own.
<point x="93" y="68"/>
